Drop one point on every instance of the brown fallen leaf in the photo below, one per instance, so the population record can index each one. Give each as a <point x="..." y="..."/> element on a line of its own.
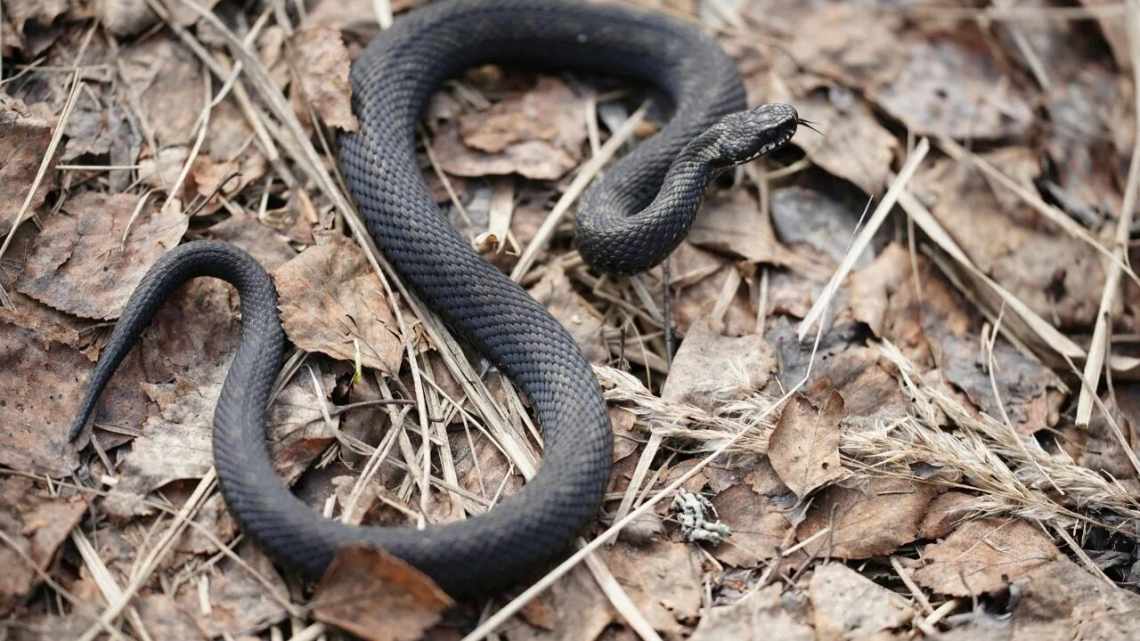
<point x="701" y="277"/>
<point x="951" y="85"/>
<point x="163" y="618"/>
<point x="237" y="599"/>
<point x="270" y="249"/>
<point x="217" y="180"/>
<point x="177" y="442"/>
<point x="372" y="594"/>
<point x="34" y="524"/>
<point x="165" y="81"/>
<point x="825" y="222"/>
<point x="355" y="16"/>
<point x="760" y="616"/>
<point x="43" y="385"/>
<point x="331" y="302"/>
<point x="847" y="605"/>
<point x="533" y="159"/>
<point x="537" y="133"/>
<point x="1061" y="600"/>
<point x="550" y="112"/>
<point x="868" y="519"/>
<point x="81" y="263"/>
<point x="125" y="17"/>
<point x="583" y="322"/>
<point x="759" y="525"/>
<point x="983" y="556"/>
<point x="663" y="579"/>
<point x="710" y="369"/>
<point x="945" y="514"/>
<point x="25" y="132"/>
<point x="1056" y="275"/>
<point x="732" y="222"/>
<point x="319" y="61"/>
<point x="854" y="146"/>
<point x="804" y="446"/>
<point x="573" y="609"/>
<point x="40" y="12"/>
<point x="842" y="363"/>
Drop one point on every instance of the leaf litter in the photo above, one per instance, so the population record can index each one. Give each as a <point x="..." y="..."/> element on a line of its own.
<point x="928" y="478"/>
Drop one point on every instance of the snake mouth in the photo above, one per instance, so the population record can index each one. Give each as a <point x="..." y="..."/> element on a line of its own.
<point x="784" y="139"/>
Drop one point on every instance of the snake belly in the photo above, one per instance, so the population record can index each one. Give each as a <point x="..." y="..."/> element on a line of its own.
<point x="620" y="231"/>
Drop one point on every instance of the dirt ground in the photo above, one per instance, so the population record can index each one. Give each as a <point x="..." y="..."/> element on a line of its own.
<point x="887" y="388"/>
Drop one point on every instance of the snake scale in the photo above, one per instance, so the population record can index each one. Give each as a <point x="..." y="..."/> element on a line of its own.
<point x="628" y="221"/>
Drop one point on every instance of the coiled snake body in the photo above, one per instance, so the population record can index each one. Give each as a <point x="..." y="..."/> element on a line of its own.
<point x="628" y="221"/>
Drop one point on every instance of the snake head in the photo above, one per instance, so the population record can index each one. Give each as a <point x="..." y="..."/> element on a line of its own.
<point x="746" y="135"/>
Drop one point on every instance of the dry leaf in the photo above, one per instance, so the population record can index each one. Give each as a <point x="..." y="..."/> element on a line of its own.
<point x="983" y="556"/>
<point x="239" y="599"/>
<point x="164" y="620"/>
<point x="43" y="384"/>
<point x="320" y="61"/>
<point x="868" y="520"/>
<point x="165" y="80"/>
<point x="1055" y="274"/>
<point x="804" y="446"/>
<point x="1061" y="600"/>
<point x="709" y="368"/>
<point x="375" y="595"/>
<point x="732" y="222"/>
<point x="549" y="112"/>
<point x="332" y="302"/>
<point x="177" y="443"/>
<point x="854" y="146"/>
<point x="125" y="17"/>
<point x="25" y="133"/>
<point x="950" y="85"/>
<point x="663" y="580"/>
<point x="826" y="222"/>
<point x="759" y="526"/>
<point x="40" y="12"/>
<point x="81" y="263"/>
<point x="34" y="524"/>
<point x="945" y="514"/>
<point x="270" y="249"/>
<point x="847" y="605"/>
<point x="762" y="615"/>
<point x="583" y="322"/>
<point x="573" y="609"/>
<point x="537" y="133"/>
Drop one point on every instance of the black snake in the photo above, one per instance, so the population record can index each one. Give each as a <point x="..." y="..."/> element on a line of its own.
<point x="628" y="221"/>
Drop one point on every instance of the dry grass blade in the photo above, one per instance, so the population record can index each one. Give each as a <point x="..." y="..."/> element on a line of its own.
<point x="1044" y="330"/>
<point x="106" y="582"/>
<point x="1099" y="347"/>
<point x="56" y="138"/>
<point x="815" y="315"/>
<point x="150" y="563"/>
<point x="1058" y="217"/>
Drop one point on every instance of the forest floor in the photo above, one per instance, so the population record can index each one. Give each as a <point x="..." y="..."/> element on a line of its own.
<point x="907" y="365"/>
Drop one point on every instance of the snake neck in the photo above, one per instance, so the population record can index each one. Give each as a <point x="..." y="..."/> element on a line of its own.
<point x="625" y="231"/>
